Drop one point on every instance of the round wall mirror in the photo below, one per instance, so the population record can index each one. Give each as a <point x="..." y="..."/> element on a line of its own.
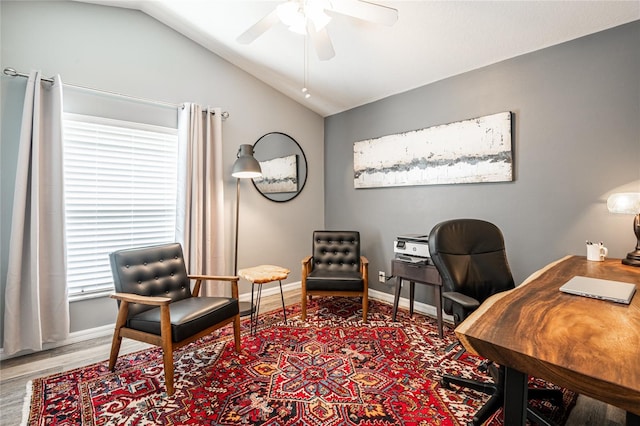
<point x="283" y="164"/>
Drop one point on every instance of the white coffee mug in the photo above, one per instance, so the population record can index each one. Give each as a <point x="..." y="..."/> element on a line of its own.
<point x="596" y="252"/>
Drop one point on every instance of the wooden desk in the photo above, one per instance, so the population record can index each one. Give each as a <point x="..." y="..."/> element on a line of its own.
<point x="417" y="273"/>
<point x="587" y="345"/>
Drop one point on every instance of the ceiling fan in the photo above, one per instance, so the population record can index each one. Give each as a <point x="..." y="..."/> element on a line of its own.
<point x="309" y="17"/>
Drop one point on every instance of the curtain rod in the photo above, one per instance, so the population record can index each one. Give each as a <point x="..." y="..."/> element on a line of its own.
<point x="13" y="73"/>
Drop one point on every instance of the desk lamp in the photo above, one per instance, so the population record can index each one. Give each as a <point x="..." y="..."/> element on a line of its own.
<point x="245" y="167"/>
<point x="628" y="203"/>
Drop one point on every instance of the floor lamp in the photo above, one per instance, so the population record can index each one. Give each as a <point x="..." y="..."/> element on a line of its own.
<point x="245" y="167"/>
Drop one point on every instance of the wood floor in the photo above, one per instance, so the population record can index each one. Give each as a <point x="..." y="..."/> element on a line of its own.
<point x="15" y="373"/>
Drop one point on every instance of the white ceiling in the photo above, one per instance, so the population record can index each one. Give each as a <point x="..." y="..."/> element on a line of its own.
<point x="431" y="40"/>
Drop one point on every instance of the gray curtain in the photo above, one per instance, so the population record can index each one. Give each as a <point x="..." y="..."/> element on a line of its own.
<point x="36" y="304"/>
<point x="200" y="218"/>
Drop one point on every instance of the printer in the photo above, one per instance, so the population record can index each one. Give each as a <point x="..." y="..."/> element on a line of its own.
<point x="412" y="248"/>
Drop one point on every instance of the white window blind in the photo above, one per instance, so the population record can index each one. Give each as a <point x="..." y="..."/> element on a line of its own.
<point x="120" y="192"/>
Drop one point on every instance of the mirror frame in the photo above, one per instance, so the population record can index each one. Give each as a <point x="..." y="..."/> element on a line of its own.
<point x="302" y="167"/>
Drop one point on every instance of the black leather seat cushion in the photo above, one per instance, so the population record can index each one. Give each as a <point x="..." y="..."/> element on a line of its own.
<point x="188" y="316"/>
<point x="323" y="279"/>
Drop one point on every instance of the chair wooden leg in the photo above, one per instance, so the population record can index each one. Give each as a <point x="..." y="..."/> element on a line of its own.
<point x="167" y="348"/>
<point x="365" y="307"/>
<point x="167" y="356"/>
<point x="115" y="349"/>
<point x="117" y="338"/>
<point x="236" y="332"/>
<point x="303" y="303"/>
<point x="304" y="306"/>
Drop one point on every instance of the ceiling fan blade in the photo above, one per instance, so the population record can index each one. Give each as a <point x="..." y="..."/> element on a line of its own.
<point x="257" y="29"/>
<point x="321" y="42"/>
<point x="366" y="11"/>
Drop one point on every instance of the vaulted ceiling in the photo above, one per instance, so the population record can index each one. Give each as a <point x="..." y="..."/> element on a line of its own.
<point x="430" y="41"/>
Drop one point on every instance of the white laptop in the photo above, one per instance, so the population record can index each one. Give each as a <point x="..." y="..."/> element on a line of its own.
<point x="614" y="291"/>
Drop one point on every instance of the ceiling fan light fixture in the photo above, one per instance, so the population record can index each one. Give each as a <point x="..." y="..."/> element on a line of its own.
<point x="310" y="18"/>
<point x="290" y="13"/>
<point x="297" y="14"/>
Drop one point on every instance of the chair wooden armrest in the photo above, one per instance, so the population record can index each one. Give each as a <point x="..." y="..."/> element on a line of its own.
<point x="306" y="265"/>
<point x="227" y="278"/>
<point x="145" y="300"/>
<point x="364" y="269"/>
<point x="214" y="277"/>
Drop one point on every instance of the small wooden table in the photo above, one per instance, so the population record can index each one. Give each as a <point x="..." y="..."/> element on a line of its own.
<point x="417" y="273"/>
<point x="259" y="275"/>
<point x="587" y="345"/>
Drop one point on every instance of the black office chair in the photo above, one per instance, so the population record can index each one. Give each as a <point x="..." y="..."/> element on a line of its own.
<point x="157" y="306"/>
<point x="471" y="258"/>
<point x="336" y="268"/>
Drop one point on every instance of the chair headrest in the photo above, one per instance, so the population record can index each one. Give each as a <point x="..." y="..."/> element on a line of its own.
<point x="465" y="237"/>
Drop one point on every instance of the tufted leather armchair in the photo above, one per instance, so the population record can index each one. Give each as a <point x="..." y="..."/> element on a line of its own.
<point x="335" y="268"/>
<point x="157" y="306"/>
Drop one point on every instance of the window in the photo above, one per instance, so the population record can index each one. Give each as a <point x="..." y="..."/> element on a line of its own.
<point x="120" y="192"/>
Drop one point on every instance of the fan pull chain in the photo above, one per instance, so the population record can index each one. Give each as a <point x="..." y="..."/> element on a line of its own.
<point x="305" y="90"/>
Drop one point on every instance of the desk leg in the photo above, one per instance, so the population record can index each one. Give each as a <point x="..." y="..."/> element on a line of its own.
<point x="633" y="419"/>
<point x="396" y="298"/>
<point x="412" y="293"/>
<point x="515" y="397"/>
<point x="437" y="292"/>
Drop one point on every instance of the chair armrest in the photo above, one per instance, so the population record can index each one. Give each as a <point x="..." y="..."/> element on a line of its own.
<point x="364" y="271"/>
<point x="306" y="266"/>
<point x="214" y="277"/>
<point x="145" y="300"/>
<point x="466" y="302"/>
<point x="228" y="278"/>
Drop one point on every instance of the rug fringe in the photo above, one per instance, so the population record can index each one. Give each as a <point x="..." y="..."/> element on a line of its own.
<point x="26" y="405"/>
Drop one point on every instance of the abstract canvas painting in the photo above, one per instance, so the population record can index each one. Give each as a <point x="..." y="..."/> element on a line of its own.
<point x="278" y="175"/>
<point x="475" y="150"/>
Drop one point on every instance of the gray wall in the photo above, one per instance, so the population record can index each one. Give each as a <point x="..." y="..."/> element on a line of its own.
<point x="576" y="140"/>
<point x="126" y="51"/>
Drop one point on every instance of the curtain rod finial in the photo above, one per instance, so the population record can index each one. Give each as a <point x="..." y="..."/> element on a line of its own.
<point x="10" y="72"/>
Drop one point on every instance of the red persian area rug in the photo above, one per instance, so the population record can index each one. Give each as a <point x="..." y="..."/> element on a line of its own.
<point x="330" y="370"/>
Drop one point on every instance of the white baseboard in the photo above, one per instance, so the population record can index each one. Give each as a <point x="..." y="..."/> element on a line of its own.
<point x="74" y="337"/>
<point x="107" y="330"/>
<point x="246" y="297"/>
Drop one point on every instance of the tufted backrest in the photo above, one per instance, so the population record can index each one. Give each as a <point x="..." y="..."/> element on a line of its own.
<point x="150" y="271"/>
<point x="336" y="250"/>
<point x="471" y="258"/>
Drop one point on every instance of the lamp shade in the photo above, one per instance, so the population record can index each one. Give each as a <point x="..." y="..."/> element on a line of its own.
<point x="624" y="202"/>
<point x="246" y="166"/>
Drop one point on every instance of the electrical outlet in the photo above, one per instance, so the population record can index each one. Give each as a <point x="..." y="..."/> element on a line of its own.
<point x="382" y="276"/>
